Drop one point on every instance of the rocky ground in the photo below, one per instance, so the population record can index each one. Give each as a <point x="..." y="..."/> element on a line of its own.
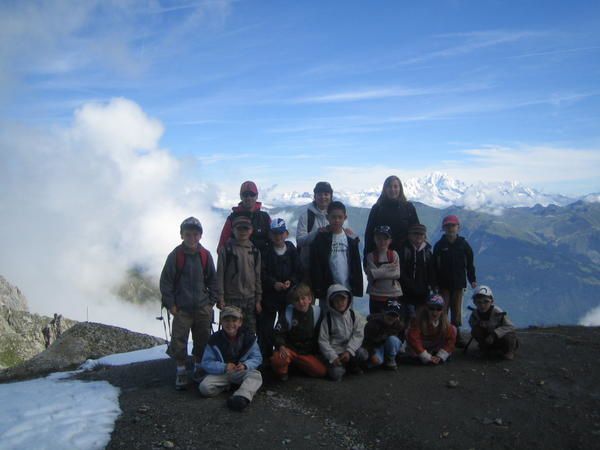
<point x="549" y="397"/>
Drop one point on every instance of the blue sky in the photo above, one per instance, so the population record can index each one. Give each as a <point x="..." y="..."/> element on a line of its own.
<point x="291" y="92"/>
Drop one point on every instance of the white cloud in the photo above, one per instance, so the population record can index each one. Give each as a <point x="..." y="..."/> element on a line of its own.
<point x="83" y="204"/>
<point x="592" y="318"/>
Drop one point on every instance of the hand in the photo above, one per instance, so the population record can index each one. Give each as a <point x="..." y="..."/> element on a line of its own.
<point x="344" y="357"/>
<point x="279" y="286"/>
<point x="258" y="307"/>
<point x="474" y="284"/>
<point x="220" y="303"/>
<point x="324" y="229"/>
<point x="240" y="367"/>
<point x="287" y="284"/>
<point x="230" y="367"/>
<point x="489" y="340"/>
<point x="283" y="352"/>
<point x="173" y="310"/>
<point x="435" y="360"/>
<point x="348" y="231"/>
<point x="336" y="362"/>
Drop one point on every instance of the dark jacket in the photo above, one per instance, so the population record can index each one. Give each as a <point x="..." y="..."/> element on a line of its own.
<point x="302" y="334"/>
<point x="320" y="272"/>
<point x="189" y="292"/>
<point x="451" y="261"/>
<point x="399" y="216"/>
<point x="279" y="268"/>
<point x="261" y="222"/>
<point x="417" y="273"/>
<point x="377" y="331"/>
<point x="221" y="350"/>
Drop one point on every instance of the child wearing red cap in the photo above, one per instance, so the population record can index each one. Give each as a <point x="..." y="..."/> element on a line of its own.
<point x="453" y="259"/>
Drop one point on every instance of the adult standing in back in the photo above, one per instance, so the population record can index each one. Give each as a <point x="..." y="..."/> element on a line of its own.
<point x="313" y="220"/>
<point x="391" y="209"/>
<point x="249" y="206"/>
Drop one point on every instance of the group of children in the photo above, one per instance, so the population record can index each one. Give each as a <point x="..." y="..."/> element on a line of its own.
<point x="264" y="287"/>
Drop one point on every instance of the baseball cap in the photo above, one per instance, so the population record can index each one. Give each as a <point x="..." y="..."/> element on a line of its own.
<point x="248" y="186"/>
<point x="278" y="226"/>
<point x="482" y="290"/>
<point x="232" y="311"/>
<point x="392" y="307"/>
<point x="451" y="219"/>
<point x="383" y="229"/>
<point x="417" y="228"/>
<point x="435" y="300"/>
<point x="241" y="220"/>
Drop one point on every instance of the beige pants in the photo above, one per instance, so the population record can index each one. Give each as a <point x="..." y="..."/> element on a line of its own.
<point x="453" y="300"/>
<point x="249" y="380"/>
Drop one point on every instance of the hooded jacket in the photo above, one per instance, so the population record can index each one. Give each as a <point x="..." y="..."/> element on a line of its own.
<point x="221" y="350"/>
<point x="452" y="260"/>
<point x="238" y="271"/>
<point x="190" y="292"/>
<point x="347" y="328"/>
<point x="497" y="322"/>
<point x="399" y="216"/>
<point x="261" y="222"/>
<point x="418" y="272"/>
<point x="320" y="271"/>
<point x="304" y="236"/>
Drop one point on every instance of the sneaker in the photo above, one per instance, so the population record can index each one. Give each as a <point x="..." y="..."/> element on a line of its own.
<point x="355" y="369"/>
<point x="509" y="356"/>
<point x="237" y="402"/>
<point x="390" y="364"/>
<point x="181" y="381"/>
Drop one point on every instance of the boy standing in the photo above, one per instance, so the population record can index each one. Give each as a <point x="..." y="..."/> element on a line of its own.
<point x="188" y="285"/>
<point x="238" y="272"/>
<point x="341" y="334"/>
<point x="232" y="357"/>
<point x="490" y="326"/>
<point x="417" y="275"/>
<point x="334" y="256"/>
<point x="383" y="271"/>
<point x="280" y="272"/>
<point x="296" y="336"/>
<point x="453" y="257"/>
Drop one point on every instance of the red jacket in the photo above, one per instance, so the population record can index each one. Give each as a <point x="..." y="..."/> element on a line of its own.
<point x="432" y="341"/>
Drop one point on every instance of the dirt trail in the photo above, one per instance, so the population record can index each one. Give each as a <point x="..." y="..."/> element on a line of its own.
<point x="549" y="397"/>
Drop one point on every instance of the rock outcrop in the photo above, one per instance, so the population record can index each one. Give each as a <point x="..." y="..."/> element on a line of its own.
<point x="11" y="296"/>
<point x="83" y="341"/>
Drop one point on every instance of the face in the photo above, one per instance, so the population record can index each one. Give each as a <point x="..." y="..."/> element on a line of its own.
<point x="191" y="238"/>
<point x="303" y="303"/>
<point x="483" y="303"/>
<point x="416" y="239"/>
<point x="391" y="319"/>
<point x="248" y="200"/>
<point x="392" y="190"/>
<point x="242" y="233"/>
<point x="451" y="229"/>
<point x="336" y="219"/>
<point x="231" y="325"/>
<point x="278" y="239"/>
<point x="340" y="302"/>
<point x="435" y="312"/>
<point x="323" y="199"/>
<point x="382" y="241"/>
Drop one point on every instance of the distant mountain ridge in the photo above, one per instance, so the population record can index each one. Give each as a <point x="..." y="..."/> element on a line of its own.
<point x="437" y="190"/>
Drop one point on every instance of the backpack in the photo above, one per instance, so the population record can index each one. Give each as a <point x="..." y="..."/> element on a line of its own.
<point x="180" y="263"/>
<point x="289" y="311"/>
<point x="230" y="256"/>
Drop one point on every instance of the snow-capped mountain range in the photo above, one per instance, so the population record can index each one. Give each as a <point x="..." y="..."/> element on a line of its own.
<point x="437" y="190"/>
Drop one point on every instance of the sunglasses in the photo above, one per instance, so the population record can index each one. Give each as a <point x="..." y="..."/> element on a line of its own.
<point x="248" y="194"/>
<point x="435" y="308"/>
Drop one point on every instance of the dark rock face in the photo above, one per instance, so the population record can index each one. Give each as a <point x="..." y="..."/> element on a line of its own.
<point x="83" y="341"/>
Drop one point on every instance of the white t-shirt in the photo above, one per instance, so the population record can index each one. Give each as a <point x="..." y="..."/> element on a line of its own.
<point x="338" y="261"/>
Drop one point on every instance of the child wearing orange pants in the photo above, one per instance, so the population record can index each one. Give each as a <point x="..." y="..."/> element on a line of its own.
<point x="296" y="337"/>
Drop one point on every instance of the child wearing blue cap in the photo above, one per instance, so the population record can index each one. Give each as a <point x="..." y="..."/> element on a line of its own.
<point x="281" y="271"/>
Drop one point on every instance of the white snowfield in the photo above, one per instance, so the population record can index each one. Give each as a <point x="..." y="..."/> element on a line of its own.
<point x="57" y="412"/>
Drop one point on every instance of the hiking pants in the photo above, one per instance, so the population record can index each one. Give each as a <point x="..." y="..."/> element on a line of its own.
<point x="389" y="349"/>
<point x="505" y="344"/>
<point x="249" y="380"/>
<point x="199" y="323"/>
<point x="309" y="364"/>
<point x="453" y="301"/>
<point x="337" y="372"/>
<point x="248" y="307"/>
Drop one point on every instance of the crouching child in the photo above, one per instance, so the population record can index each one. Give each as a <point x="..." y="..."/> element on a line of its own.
<point x="296" y="336"/>
<point x="232" y="357"/>
<point x="431" y="338"/>
<point x="491" y="327"/>
<point x="341" y="334"/>
<point x="384" y="334"/>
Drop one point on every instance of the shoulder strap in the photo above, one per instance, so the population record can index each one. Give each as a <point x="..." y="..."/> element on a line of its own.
<point x="353" y="315"/>
<point x="289" y="311"/>
<point x="316" y="315"/>
<point x="311" y="220"/>
<point x="390" y="255"/>
<point x="329" y="321"/>
<point x="179" y="263"/>
<point x="204" y="262"/>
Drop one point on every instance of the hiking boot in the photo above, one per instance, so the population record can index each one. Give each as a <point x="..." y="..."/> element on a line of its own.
<point x="460" y="341"/>
<point x="355" y="369"/>
<point x="198" y="375"/>
<point x="181" y="381"/>
<point x="390" y="364"/>
<point x="509" y="356"/>
<point x="237" y="402"/>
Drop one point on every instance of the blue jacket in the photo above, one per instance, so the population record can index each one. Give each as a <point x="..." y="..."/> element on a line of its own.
<point x="218" y="352"/>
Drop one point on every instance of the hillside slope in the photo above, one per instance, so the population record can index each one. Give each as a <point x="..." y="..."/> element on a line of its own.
<point x="549" y="397"/>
